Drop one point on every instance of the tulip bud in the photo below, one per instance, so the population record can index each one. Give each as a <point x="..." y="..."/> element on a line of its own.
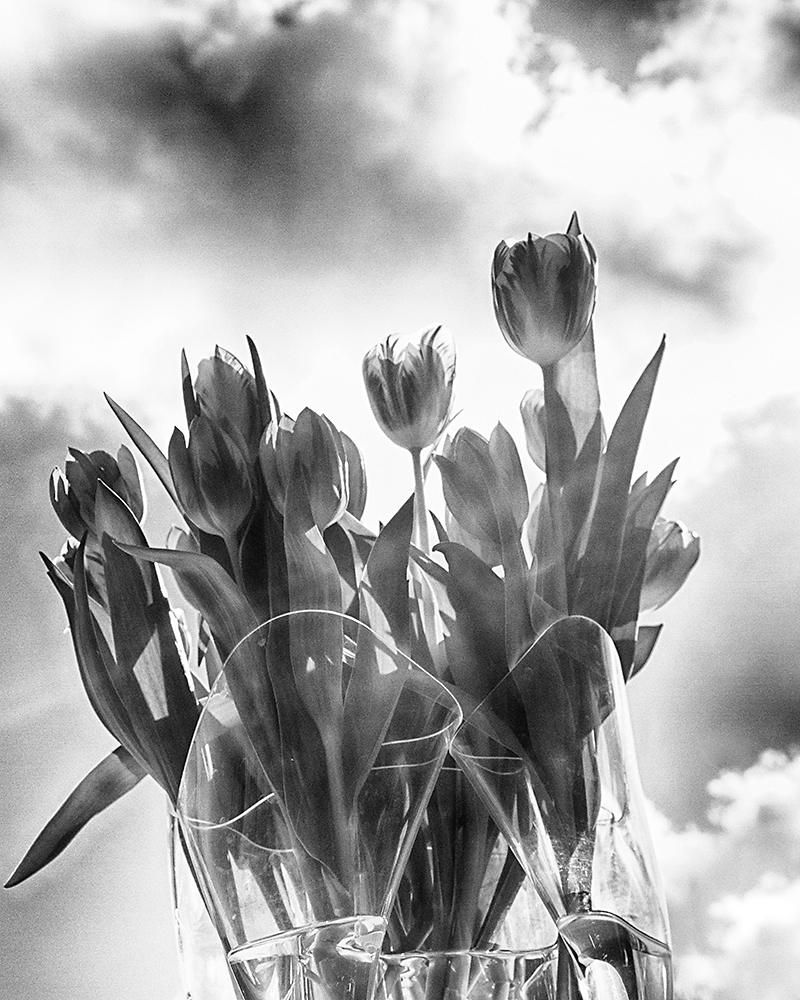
<point x="533" y="420"/>
<point x="671" y="553"/>
<point x="72" y="492"/>
<point x="225" y="392"/>
<point x="317" y="444"/>
<point x="544" y="290"/>
<point x="409" y="384"/>
<point x="211" y="477"/>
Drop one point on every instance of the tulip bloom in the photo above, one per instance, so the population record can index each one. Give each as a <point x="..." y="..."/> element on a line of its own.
<point x="544" y="291"/>
<point x="671" y="553"/>
<point x="409" y="384"/>
<point x="72" y="492"/>
<point x="319" y="447"/>
<point x="211" y="477"/>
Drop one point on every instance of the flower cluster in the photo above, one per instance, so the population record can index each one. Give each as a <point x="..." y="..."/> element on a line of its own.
<point x="272" y="507"/>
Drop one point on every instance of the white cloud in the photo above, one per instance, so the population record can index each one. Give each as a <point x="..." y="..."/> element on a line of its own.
<point x="734" y="886"/>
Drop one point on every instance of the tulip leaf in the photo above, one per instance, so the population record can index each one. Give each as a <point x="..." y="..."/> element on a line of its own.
<point x="93" y="657"/>
<point x="149" y="655"/>
<point x="212" y="591"/>
<point x="575" y="380"/>
<point x="383" y="596"/>
<point x="603" y="549"/>
<point x="262" y="392"/>
<point x="112" y="778"/>
<point x="518" y="627"/>
<point x="509" y="475"/>
<point x="375" y="683"/>
<point x="338" y="543"/>
<point x="190" y="406"/>
<point x="560" y="443"/>
<point x="314" y="585"/>
<point x="356" y="477"/>
<point x="466" y="491"/>
<point x="129" y="471"/>
<point x="580" y="486"/>
<point x="147" y="446"/>
<point x="476" y="644"/>
<point x="642" y="512"/>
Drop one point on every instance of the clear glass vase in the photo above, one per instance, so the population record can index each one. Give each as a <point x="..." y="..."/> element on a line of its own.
<point x="303" y="790"/>
<point x="550" y="752"/>
<point x="469" y="975"/>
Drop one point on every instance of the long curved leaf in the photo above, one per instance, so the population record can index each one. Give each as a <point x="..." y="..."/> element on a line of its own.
<point x="147" y="446"/>
<point x="112" y="778"/>
<point x="211" y="591"/>
<point x="94" y="658"/>
<point x="604" y="545"/>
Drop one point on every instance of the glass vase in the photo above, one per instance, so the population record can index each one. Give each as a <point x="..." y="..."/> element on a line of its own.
<point x="551" y="754"/>
<point x="304" y="787"/>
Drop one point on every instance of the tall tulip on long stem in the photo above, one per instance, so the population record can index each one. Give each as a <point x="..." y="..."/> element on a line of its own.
<point x="409" y="384"/>
<point x="544" y="291"/>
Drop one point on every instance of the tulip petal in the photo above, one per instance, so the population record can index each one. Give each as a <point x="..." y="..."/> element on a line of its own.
<point x="356" y="477"/>
<point x="646" y="639"/>
<point x="510" y="477"/>
<point x="262" y="392"/>
<point x="112" y="778"/>
<point x="65" y="505"/>
<point x="129" y="471"/>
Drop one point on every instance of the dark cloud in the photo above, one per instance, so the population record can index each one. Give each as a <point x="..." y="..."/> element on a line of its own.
<point x="782" y="65"/>
<point x="612" y="35"/>
<point x="284" y="132"/>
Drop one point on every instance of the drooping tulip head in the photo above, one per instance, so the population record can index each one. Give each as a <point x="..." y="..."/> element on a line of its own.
<point x="409" y="384"/>
<point x="671" y="553"/>
<point x="544" y="291"/>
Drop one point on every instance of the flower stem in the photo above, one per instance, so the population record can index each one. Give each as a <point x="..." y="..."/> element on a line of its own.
<point x="342" y="841"/>
<point x="554" y="465"/>
<point x="232" y="548"/>
<point x="420" y="511"/>
<point x="422" y="539"/>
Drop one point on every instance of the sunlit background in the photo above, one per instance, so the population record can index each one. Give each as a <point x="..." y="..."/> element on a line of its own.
<point x="320" y="175"/>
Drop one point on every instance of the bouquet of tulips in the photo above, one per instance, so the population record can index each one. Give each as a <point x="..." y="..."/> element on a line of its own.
<point x="271" y="511"/>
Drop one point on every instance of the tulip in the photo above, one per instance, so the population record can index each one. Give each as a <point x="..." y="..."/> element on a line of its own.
<point x="211" y="478"/>
<point x="225" y="392"/>
<point x="533" y="420"/>
<point x="72" y="492"/>
<point x="671" y="553"/>
<point x="409" y="384"/>
<point x="544" y="291"/>
<point x="322" y="452"/>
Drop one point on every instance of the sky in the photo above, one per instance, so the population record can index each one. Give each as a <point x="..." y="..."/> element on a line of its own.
<point x="318" y="176"/>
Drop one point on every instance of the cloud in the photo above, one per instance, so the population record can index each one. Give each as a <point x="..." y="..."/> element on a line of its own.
<point x="726" y="665"/>
<point x="734" y="886"/>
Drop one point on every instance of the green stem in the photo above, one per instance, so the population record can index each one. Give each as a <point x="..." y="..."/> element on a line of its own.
<point x="554" y="472"/>
<point x="420" y="511"/>
<point x="422" y="539"/>
<point x="341" y="827"/>
<point x="232" y="548"/>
